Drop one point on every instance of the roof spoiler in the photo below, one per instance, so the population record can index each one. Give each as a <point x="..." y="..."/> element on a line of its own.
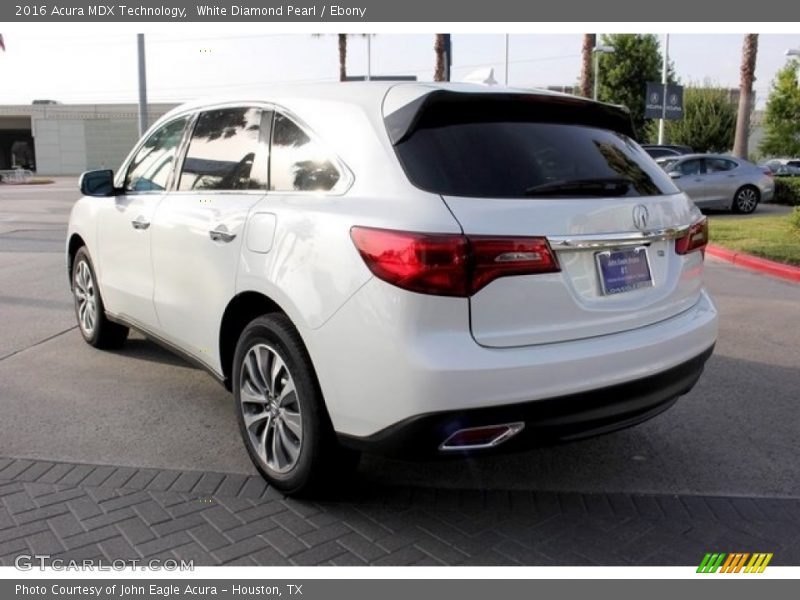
<point x="443" y="107"/>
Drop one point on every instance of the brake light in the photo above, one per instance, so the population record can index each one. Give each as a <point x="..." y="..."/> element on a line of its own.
<point x="695" y="239"/>
<point x="449" y="264"/>
<point x="768" y="172"/>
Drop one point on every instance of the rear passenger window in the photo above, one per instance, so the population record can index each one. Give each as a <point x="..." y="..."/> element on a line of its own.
<point x="692" y="167"/>
<point x="223" y="149"/>
<point x="150" y="168"/>
<point x="298" y="163"/>
<point x="715" y="165"/>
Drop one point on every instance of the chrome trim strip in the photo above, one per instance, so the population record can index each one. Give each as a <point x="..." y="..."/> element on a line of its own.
<point x="615" y="240"/>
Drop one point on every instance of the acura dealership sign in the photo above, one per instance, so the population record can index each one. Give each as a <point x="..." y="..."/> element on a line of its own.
<point x="654" y="101"/>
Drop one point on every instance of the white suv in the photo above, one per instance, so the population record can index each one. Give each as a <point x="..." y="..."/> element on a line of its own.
<point x="413" y="269"/>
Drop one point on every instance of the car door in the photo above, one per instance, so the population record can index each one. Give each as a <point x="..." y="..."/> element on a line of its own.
<point x="692" y="179"/>
<point x="198" y="228"/>
<point x="123" y="260"/>
<point x="721" y="180"/>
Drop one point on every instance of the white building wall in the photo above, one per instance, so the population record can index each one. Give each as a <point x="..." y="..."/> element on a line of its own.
<point x="108" y="141"/>
<point x="60" y="146"/>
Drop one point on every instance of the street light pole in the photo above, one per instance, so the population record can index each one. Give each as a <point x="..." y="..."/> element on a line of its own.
<point x="506" y="64"/>
<point x="142" y="85"/>
<point x="664" y="93"/>
<point x="597" y="51"/>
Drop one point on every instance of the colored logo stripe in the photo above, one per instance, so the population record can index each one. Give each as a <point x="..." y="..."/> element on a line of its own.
<point x="734" y="562"/>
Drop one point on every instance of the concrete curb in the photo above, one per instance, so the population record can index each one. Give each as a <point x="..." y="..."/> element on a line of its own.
<point x="754" y="263"/>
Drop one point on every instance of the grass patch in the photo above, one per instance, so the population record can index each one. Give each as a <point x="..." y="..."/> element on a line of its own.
<point x="774" y="237"/>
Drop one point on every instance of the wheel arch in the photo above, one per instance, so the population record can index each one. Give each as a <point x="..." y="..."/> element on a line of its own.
<point x="76" y="242"/>
<point x="243" y="308"/>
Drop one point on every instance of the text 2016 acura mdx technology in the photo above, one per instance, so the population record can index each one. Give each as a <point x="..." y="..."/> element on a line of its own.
<point x="413" y="269"/>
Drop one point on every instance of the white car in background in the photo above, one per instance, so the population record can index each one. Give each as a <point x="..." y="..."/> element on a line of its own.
<point x="415" y="269"/>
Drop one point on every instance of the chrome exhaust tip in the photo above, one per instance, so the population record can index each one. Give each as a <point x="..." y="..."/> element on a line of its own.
<point x="478" y="438"/>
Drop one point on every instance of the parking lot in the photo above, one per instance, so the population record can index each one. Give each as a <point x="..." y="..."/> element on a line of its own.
<point x="732" y="442"/>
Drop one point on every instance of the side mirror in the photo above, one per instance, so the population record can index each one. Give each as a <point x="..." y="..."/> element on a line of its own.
<point x="675" y="174"/>
<point x="98" y="183"/>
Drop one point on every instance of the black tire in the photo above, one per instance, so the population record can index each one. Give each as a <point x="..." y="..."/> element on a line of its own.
<point x="318" y="462"/>
<point x="103" y="334"/>
<point x="746" y="199"/>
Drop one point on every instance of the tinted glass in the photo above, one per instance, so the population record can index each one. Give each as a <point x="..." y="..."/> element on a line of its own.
<point x="222" y="150"/>
<point x="691" y="167"/>
<point x="714" y="165"/>
<point x="298" y="163"/>
<point x="504" y="159"/>
<point x="152" y="165"/>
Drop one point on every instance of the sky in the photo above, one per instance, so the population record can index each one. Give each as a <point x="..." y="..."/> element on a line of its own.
<point x="88" y="66"/>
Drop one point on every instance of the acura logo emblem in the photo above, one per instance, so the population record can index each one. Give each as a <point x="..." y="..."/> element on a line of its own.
<point x="640" y="216"/>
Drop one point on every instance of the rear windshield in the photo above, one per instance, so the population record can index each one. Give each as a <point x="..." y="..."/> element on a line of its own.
<point x="522" y="159"/>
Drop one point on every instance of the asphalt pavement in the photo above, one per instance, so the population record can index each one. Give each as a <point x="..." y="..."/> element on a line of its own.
<point x="734" y="435"/>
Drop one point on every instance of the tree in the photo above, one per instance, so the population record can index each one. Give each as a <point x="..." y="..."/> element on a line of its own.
<point x="342" y="39"/>
<point x="708" y="124"/>
<point x="587" y="71"/>
<point x="782" y="117"/>
<point x="746" y="78"/>
<point x="439" y="50"/>
<point x="624" y="74"/>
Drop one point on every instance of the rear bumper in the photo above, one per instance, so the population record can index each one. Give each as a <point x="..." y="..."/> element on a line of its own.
<point x="547" y="420"/>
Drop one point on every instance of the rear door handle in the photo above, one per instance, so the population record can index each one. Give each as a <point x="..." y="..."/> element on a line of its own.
<point x="140" y="223"/>
<point x="221" y="234"/>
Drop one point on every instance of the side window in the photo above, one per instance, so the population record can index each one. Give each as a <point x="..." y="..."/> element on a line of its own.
<point x="692" y="167"/>
<point x="223" y="150"/>
<point x="150" y="168"/>
<point x="715" y="165"/>
<point x="298" y="163"/>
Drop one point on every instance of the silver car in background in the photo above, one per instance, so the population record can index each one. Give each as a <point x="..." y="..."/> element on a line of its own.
<point x="720" y="181"/>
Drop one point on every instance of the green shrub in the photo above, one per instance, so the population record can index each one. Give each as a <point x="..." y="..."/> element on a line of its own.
<point x="794" y="218"/>
<point x="787" y="191"/>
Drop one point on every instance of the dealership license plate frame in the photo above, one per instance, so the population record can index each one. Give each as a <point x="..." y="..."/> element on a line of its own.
<point x="614" y="280"/>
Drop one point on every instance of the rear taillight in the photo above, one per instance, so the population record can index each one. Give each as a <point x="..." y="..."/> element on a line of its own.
<point x="768" y="172"/>
<point x="695" y="239"/>
<point x="449" y="264"/>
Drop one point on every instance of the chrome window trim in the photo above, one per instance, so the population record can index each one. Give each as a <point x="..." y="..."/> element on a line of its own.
<point x="342" y="186"/>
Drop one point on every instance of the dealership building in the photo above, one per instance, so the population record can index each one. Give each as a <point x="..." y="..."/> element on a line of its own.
<point x="67" y="139"/>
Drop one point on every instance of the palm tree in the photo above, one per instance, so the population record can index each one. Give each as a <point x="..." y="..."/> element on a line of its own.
<point x="342" y="53"/>
<point x="747" y="77"/>
<point x="439" y="49"/>
<point x="587" y="73"/>
<point x="342" y="56"/>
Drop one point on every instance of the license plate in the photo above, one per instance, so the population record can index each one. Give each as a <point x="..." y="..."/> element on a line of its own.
<point x="623" y="270"/>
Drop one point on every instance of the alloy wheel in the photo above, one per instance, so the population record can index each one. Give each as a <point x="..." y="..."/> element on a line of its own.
<point x="746" y="200"/>
<point x="271" y="408"/>
<point x="85" y="298"/>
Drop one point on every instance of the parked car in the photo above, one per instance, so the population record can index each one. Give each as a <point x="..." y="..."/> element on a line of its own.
<point x="413" y="269"/>
<point x="783" y="167"/>
<point x="721" y="181"/>
<point x="661" y="150"/>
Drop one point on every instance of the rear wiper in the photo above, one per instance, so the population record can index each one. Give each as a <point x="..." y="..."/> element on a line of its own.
<point x="600" y="186"/>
